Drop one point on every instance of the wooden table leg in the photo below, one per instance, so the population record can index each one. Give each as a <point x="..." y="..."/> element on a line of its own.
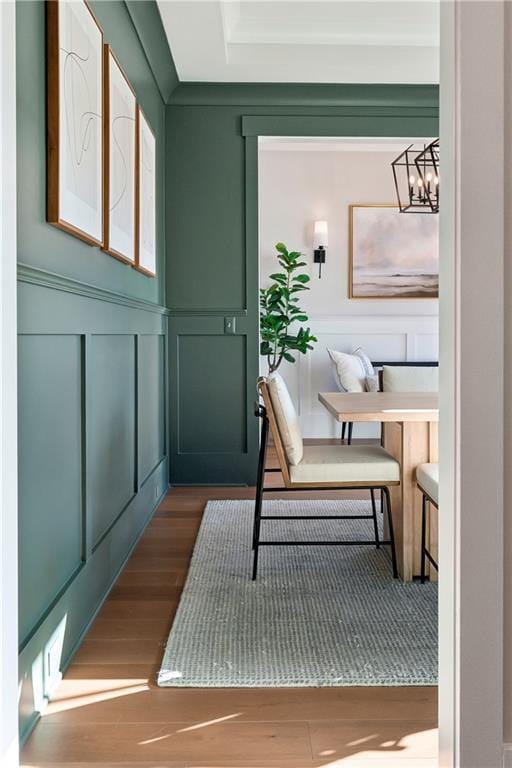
<point x="411" y="443"/>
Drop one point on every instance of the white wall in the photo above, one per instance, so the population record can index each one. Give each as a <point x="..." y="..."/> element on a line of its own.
<point x="508" y="389"/>
<point x="299" y="183"/>
<point x="8" y="381"/>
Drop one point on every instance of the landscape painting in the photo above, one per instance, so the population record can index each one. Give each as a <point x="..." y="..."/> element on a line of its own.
<point x="393" y="255"/>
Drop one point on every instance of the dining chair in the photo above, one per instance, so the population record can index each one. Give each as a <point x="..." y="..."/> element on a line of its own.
<point x="317" y="468"/>
<point x="427" y="479"/>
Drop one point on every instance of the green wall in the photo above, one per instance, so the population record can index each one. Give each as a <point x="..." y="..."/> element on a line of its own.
<point x="212" y="246"/>
<point x="92" y="371"/>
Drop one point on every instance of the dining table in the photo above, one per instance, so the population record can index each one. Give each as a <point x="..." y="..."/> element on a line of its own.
<point x="410" y="434"/>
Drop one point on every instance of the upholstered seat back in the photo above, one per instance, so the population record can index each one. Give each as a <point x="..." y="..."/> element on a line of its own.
<point x="418" y="378"/>
<point x="286" y="418"/>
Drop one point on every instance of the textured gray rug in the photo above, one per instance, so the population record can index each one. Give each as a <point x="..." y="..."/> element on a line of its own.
<point x="316" y="616"/>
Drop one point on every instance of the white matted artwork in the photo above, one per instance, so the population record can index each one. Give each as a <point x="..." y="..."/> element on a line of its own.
<point x="120" y="109"/>
<point x="75" y="120"/>
<point x="146" y="250"/>
<point x="392" y="255"/>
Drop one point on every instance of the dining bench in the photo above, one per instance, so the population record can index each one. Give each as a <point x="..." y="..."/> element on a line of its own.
<point x="379" y="365"/>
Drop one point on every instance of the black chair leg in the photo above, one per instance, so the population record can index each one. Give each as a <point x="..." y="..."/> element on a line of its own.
<point x="343" y="430"/>
<point x="391" y="531"/>
<point x="350" y="428"/>
<point x="423" y="538"/>
<point x="375" y="523"/>
<point x="262" y="458"/>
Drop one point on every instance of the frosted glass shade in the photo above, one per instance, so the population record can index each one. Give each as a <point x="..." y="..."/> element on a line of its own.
<point x="321" y="233"/>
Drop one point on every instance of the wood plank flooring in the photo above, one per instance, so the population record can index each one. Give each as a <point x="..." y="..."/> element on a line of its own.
<point x="108" y="712"/>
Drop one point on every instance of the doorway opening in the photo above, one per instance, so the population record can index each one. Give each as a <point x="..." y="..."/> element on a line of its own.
<point x="386" y="318"/>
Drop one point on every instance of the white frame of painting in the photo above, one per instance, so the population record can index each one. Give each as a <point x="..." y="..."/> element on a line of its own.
<point x="146" y="257"/>
<point x="80" y="215"/>
<point x="352" y="246"/>
<point x="118" y="241"/>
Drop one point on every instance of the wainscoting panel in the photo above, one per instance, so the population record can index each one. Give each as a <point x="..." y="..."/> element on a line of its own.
<point x="50" y="494"/>
<point x="112" y="479"/>
<point x="92" y="427"/>
<point x="382" y="337"/>
<point x="221" y="396"/>
<point x="151" y="354"/>
<point x="214" y="439"/>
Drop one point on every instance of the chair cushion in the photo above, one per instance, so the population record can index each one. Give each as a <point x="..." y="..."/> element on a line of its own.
<point x="286" y="417"/>
<point x="345" y="464"/>
<point x="415" y="378"/>
<point x="427" y="476"/>
<point x="351" y="371"/>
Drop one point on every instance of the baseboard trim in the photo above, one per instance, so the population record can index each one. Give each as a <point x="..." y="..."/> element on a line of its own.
<point x="507" y="756"/>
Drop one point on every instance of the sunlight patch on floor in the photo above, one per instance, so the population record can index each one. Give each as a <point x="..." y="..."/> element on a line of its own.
<point x="61" y="703"/>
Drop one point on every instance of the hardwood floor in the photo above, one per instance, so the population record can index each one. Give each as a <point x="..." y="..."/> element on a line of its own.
<point x="108" y="712"/>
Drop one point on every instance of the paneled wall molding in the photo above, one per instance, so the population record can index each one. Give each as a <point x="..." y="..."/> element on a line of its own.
<point x="389" y="338"/>
<point x="47" y="279"/>
<point x="73" y="610"/>
<point x="93" y="455"/>
<point x="305" y="95"/>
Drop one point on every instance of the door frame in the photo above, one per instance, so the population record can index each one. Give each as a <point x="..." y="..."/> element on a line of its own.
<point x="9" y="745"/>
<point x="471" y="429"/>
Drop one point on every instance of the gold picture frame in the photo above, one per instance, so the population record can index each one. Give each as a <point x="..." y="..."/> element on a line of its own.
<point x="393" y="257"/>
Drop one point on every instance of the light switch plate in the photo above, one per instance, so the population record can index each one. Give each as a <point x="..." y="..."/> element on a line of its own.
<point x="230" y="325"/>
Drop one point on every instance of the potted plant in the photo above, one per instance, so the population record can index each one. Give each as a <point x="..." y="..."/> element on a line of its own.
<point x="279" y="311"/>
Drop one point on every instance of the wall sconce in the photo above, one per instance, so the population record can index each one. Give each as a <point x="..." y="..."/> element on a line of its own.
<point x="322" y="238"/>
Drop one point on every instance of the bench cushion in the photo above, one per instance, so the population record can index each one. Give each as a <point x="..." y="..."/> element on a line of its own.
<point x="414" y="378"/>
<point x="427" y="476"/>
<point x="345" y="464"/>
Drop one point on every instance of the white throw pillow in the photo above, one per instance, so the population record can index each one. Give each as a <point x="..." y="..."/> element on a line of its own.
<point x="365" y="361"/>
<point x="287" y="419"/>
<point x="372" y="383"/>
<point x="352" y="370"/>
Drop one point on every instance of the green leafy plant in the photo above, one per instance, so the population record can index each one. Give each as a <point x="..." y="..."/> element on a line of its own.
<point x="279" y="310"/>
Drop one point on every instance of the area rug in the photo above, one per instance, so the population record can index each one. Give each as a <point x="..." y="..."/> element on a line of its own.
<point x="316" y="616"/>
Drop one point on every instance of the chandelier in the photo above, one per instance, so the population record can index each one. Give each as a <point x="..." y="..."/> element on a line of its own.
<point x="416" y="175"/>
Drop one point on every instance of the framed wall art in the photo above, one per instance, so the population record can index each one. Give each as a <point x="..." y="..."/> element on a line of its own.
<point x="392" y="255"/>
<point x="146" y="219"/>
<point x="120" y="113"/>
<point x="75" y="120"/>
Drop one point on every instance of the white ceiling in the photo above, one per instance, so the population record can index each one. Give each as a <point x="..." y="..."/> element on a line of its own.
<point x="336" y="41"/>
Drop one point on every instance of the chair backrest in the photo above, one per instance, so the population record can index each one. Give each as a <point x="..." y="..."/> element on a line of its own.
<point x="410" y="378"/>
<point x="283" y="422"/>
